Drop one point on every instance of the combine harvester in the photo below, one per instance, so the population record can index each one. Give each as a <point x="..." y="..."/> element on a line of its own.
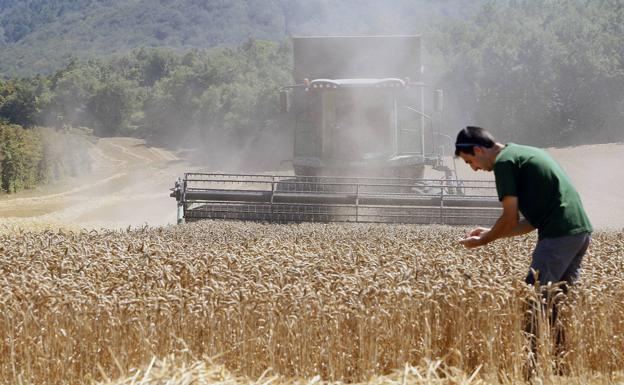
<point x="362" y="143"/>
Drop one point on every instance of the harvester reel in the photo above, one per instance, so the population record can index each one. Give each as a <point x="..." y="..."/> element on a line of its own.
<point x="275" y="198"/>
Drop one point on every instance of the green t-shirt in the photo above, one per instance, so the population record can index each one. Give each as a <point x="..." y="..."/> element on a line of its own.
<point x="545" y="194"/>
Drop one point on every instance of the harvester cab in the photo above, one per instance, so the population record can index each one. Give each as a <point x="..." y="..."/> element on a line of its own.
<point x="358" y="108"/>
<point x="362" y="142"/>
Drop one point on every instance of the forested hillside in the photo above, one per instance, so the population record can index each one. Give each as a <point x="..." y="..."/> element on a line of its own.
<point x="40" y="36"/>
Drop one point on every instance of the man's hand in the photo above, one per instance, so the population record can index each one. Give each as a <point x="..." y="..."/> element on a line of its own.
<point x="506" y="225"/>
<point x="477" y="231"/>
<point x="472" y="241"/>
<point x="474" y="238"/>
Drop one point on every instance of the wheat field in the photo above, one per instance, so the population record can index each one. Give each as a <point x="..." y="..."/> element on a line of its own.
<point x="230" y="302"/>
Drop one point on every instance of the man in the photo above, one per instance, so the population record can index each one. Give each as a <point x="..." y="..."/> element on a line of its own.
<point x="529" y="181"/>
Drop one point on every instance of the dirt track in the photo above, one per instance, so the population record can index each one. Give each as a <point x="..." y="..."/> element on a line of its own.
<point x="130" y="182"/>
<point x="129" y="186"/>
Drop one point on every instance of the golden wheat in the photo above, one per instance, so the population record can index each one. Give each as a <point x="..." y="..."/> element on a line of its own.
<point x="341" y="301"/>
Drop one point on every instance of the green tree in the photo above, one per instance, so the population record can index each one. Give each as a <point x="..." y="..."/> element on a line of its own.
<point x="547" y="73"/>
<point x="20" y="154"/>
<point x="111" y="106"/>
<point x="19" y="106"/>
<point x="71" y="89"/>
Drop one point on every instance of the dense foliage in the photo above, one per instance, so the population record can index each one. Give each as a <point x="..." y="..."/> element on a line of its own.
<point x="32" y="157"/>
<point x="20" y="155"/>
<point x="545" y="72"/>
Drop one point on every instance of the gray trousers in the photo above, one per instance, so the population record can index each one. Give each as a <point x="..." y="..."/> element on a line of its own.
<point x="554" y="260"/>
<point x="559" y="259"/>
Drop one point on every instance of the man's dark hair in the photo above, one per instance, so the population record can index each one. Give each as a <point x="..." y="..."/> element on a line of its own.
<point x="472" y="136"/>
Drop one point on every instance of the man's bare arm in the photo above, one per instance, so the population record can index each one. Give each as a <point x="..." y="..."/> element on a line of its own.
<point x="507" y="225"/>
<point x="504" y="225"/>
<point x="523" y="227"/>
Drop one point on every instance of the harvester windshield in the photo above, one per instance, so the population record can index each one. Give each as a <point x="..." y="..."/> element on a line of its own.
<point x="358" y="124"/>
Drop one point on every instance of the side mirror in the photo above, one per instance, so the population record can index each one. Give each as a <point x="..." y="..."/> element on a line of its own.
<point x="284" y="101"/>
